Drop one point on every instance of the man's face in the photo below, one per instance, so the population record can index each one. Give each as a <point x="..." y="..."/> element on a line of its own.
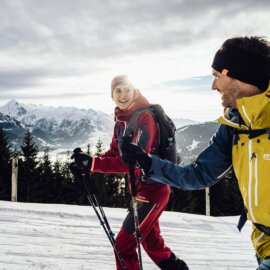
<point x="123" y="96"/>
<point x="226" y="87"/>
<point x="231" y="89"/>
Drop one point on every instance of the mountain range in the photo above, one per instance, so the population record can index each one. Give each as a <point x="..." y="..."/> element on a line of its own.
<point x="55" y="128"/>
<point x="192" y="139"/>
<point x="64" y="128"/>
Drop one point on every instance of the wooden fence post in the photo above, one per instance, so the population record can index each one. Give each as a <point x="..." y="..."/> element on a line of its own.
<point x="14" y="179"/>
<point x="207" y="201"/>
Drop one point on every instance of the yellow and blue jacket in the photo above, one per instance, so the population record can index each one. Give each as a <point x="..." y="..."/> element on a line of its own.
<point x="241" y="143"/>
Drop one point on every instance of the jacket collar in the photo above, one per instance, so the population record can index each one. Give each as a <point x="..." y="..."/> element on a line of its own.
<point x="254" y="112"/>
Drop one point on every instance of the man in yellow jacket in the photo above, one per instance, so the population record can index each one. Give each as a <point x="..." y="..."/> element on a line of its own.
<point x="241" y="69"/>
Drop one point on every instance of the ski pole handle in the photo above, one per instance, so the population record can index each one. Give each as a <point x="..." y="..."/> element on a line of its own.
<point x="132" y="180"/>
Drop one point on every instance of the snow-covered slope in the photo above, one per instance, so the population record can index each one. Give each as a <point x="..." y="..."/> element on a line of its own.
<point x="65" y="237"/>
<point x="181" y="122"/>
<point x="12" y="128"/>
<point x="192" y="139"/>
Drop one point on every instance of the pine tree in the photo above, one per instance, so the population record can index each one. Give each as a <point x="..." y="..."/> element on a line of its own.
<point x="29" y="149"/>
<point x="71" y="192"/>
<point x="27" y="167"/>
<point x="58" y="182"/>
<point x="88" y="152"/>
<point x="101" y="179"/>
<point x="99" y="148"/>
<point x="5" y="167"/>
<point x="225" y="197"/>
<point x="116" y="191"/>
<point x="178" y="198"/>
<point x="186" y="201"/>
<point x="110" y="187"/>
<point x="65" y="168"/>
<point x="46" y="178"/>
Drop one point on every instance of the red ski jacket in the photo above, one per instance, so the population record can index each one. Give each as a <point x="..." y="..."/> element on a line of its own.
<point x="146" y="136"/>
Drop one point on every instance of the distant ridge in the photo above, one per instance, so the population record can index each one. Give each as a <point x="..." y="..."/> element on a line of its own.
<point x="64" y="128"/>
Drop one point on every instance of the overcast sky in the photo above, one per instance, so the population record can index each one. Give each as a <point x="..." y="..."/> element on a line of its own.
<point x="65" y="52"/>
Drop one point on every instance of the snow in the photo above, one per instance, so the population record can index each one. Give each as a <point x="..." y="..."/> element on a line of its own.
<point x="70" y="237"/>
<point x="32" y="113"/>
<point x="184" y="128"/>
<point x="193" y="145"/>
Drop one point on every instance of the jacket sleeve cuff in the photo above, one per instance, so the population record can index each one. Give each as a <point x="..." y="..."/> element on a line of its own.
<point x="93" y="164"/>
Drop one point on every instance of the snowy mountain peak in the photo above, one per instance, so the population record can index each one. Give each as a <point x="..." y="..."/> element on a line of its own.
<point x="13" y="109"/>
<point x="59" y="126"/>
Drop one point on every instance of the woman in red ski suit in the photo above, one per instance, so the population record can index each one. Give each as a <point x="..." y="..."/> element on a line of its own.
<point x="152" y="197"/>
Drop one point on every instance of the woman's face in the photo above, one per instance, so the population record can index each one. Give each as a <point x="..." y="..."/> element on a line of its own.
<point x="123" y="96"/>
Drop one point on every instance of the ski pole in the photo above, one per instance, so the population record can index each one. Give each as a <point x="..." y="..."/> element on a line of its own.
<point x="135" y="213"/>
<point x="102" y="217"/>
<point x="101" y="210"/>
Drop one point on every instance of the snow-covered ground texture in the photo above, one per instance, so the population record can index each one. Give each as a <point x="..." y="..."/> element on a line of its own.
<point x="47" y="236"/>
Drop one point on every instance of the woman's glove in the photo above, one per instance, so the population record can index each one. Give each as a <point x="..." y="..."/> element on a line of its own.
<point x="77" y="172"/>
<point x="82" y="160"/>
<point x="132" y="153"/>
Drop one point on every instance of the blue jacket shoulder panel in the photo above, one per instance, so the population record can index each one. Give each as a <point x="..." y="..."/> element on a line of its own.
<point x="210" y="166"/>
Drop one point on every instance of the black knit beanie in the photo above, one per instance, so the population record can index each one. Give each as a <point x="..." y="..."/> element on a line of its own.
<point x="244" y="66"/>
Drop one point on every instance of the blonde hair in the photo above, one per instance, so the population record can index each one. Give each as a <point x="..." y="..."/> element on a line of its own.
<point x="121" y="80"/>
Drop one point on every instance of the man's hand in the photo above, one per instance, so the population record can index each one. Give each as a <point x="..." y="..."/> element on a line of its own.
<point x="82" y="160"/>
<point x="132" y="153"/>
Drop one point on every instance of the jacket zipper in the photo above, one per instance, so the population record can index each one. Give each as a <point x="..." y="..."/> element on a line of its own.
<point x="255" y="158"/>
<point x="256" y="179"/>
<point x="251" y="156"/>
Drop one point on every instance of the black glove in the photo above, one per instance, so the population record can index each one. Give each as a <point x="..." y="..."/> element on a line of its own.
<point x="82" y="160"/>
<point x="77" y="172"/>
<point x="132" y="153"/>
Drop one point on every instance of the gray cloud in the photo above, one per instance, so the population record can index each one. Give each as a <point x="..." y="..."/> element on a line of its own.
<point x="29" y="77"/>
<point x="39" y="95"/>
<point x="108" y="29"/>
<point x="10" y="79"/>
<point x="56" y="38"/>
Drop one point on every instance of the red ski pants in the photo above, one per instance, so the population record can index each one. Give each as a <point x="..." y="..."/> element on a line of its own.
<point x="151" y="240"/>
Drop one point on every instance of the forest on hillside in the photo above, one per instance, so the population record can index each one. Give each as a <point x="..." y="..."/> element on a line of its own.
<point x="42" y="181"/>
